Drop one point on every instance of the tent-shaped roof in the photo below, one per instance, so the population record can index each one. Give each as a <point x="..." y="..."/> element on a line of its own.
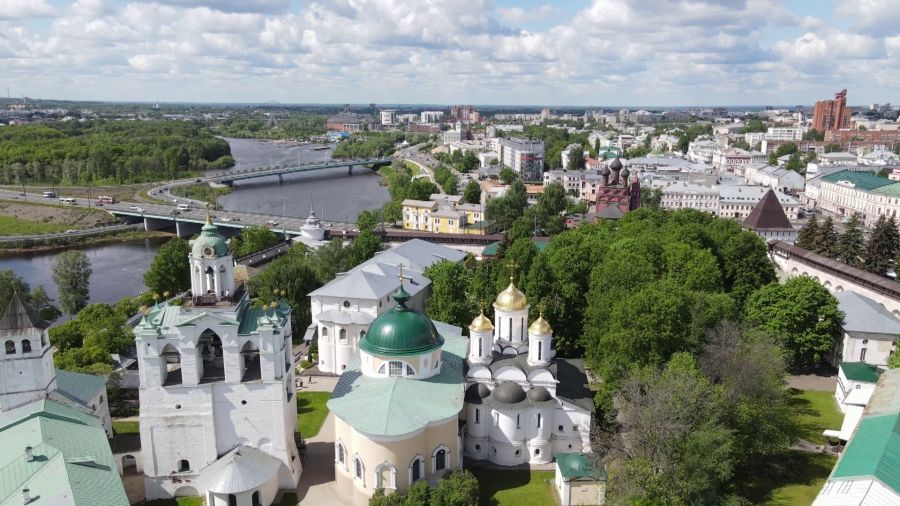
<point x="768" y="214"/>
<point x="240" y="470"/>
<point x="19" y="316"/>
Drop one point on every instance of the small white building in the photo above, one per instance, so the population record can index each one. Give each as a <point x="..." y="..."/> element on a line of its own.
<point x="870" y="331"/>
<point x="783" y="180"/>
<point x="855" y="384"/>
<point x="579" y="481"/>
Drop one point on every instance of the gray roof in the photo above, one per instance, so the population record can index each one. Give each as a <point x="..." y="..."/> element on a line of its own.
<point x="346" y="317"/>
<point x="864" y="315"/>
<point x="358" y="285"/>
<point x="572" y="382"/>
<point x="81" y="388"/>
<point x="19" y="316"/>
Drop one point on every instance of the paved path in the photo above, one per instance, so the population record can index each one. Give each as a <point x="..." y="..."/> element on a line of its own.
<point x="318" y="384"/>
<point x="812" y="382"/>
<point x="316" y="485"/>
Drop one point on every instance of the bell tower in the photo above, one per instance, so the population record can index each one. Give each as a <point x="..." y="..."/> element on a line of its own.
<point x="27" y="373"/>
<point x="212" y="265"/>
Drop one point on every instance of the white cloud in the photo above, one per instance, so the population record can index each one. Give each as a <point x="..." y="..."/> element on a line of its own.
<point x="518" y="15"/>
<point x="23" y="9"/>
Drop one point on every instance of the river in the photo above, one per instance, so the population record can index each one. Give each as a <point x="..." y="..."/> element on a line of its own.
<point x="119" y="267"/>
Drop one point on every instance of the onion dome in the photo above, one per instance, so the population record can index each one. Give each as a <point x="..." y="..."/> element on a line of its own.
<point x="604" y="171"/>
<point x="616" y="164"/>
<point x="539" y="394"/>
<point x="210" y="243"/>
<point x="476" y="394"/>
<point x="481" y="323"/>
<point x="508" y="392"/>
<point x="401" y="331"/>
<point x="511" y="299"/>
<point x="540" y="327"/>
<point x="625" y="172"/>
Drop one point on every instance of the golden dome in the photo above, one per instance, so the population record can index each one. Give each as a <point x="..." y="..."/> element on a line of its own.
<point x="481" y="323"/>
<point x="540" y="327"/>
<point x="511" y="299"/>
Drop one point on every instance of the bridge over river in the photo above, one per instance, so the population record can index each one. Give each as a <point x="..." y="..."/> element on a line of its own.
<point x="228" y="178"/>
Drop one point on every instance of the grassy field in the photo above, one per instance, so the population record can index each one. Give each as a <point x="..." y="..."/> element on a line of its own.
<point x="311" y="412"/>
<point x="514" y="488"/>
<point x="816" y="412"/>
<point x="178" y="501"/>
<point x="126" y="427"/>
<point x="16" y="226"/>
<point x="791" y="480"/>
<point x="413" y="168"/>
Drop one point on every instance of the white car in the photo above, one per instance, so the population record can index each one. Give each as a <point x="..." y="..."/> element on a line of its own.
<point x="138" y="209"/>
<point x="135" y="208"/>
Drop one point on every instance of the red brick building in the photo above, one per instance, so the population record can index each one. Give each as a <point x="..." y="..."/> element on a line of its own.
<point x="885" y="137"/>
<point x="832" y="114"/>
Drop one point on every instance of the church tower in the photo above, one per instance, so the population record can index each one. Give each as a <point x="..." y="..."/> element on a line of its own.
<point x="511" y="315"/>
<point x="26" y="365"/>
<point x="481" y="340"/>
<point x="212" y="266"/>
<point x="540" y="336"/>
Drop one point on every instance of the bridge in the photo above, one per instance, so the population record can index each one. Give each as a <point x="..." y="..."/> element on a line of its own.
<point x="230" y="177"/>
<point x="834" y="275"/>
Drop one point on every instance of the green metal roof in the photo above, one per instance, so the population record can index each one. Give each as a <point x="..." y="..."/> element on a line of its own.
<point x="401" y="331"/>
<point x="578" y="465"/>
<point x="81" y="388"/>
<point x="860" y="371"/>
<point x="72" y="460"/>
<point x="209" y="237"/>
<point x="891" y="190"/>
<point x="399" y="406"/>
<point x="873" y="452"/>
<point x="251" y="317"/>
<point x="860" y="180"/>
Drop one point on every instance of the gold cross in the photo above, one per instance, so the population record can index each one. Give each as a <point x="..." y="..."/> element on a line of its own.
<point x="541" y="307"/>
<point x="401" y="276"/>
<point x="512" y="264"/>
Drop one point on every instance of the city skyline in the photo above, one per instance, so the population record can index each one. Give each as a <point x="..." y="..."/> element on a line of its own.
<point x="662" y="53"/>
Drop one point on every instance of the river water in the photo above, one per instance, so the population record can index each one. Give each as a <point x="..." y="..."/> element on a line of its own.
<point x="119" y="267"/>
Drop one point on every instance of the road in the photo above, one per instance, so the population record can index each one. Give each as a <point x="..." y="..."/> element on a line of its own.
<point x="89" y="232"/>
<point x="427" y="163"/>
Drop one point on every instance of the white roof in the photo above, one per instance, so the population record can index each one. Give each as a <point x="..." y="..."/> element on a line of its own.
<point x="240" y="470"/>
<point x="862" y="314"/>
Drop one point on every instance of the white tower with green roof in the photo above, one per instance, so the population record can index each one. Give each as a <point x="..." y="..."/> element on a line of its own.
<point x="218" y="406"/>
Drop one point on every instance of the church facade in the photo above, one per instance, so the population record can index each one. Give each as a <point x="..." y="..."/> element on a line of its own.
<point x="217" y="393"/>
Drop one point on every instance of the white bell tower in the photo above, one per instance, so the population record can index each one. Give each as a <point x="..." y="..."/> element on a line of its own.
<point x="27" y="373"/>
<point x="212" y="265"/>
<point x="540" y="336"/>
<point x="481" y="340"/>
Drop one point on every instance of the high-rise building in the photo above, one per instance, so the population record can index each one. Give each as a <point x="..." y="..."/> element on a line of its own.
<point x="389" y="117"/>
<point x="524" y="156"/>
<point x="832" y="114"/>
<point x="461" y="112"/>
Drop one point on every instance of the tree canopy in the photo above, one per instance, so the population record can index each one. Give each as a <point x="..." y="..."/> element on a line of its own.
<point x="169" y="271"/>
<point x="72" y="273"/>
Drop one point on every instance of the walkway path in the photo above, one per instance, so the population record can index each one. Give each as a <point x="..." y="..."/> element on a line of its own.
<point x="316" y="485"/>
<point x="812" y="382"/>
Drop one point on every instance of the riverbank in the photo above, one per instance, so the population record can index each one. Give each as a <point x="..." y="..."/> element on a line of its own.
<point x="19" y="217"/>
<point x="89" y="242"/>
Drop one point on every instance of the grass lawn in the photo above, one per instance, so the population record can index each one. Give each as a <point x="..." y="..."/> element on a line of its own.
<point x="178" y="501"/>
<point x="15" y="226"/>
<point x="791" y="480"/>
<point x="816" y="412"/>
<point x="514" y="488"/>
<point x="413" y="168"/>
<point x="126" y="426"/>
<point x="311" y="412"/>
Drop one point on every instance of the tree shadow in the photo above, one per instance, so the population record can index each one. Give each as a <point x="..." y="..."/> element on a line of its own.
<point x="491" y="481"/>
<point x="760" y="481"/>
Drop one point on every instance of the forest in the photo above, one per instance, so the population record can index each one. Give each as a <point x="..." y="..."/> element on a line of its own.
<point x="108" y="152"/>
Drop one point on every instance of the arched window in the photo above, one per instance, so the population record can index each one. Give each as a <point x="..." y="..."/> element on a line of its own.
<point x="540" y="348"/>
<point x="342" y="335"/>
<point x="359" y="470"/>
<point x="209" y="346"/>
<point x="381" y="369"/>
<point x="324" y="331"/>
<point x="439" y="458"/>
<point x="480" y="349"/>
<point x="251" y="370"/>
<point x="232" y="500"/>
<point x="173" y="365"/>
<point x="26" y="346"/>
<point x="10" y="347"/>
<point x="518" y="421"/>
<point x="415" y="469"/>
<point x="184" y="466"/>
<point x="340" y="453"/>
<point x="362" y="334"/>
<point x="477" y="415"/>
<point x="539" y="421"/>
<point x="254" y="499"/>
<point x="410" y="371"/>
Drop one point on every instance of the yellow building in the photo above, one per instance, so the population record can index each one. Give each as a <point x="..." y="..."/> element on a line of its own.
<point x="396" y="416"/>
<point x="445" y="214"/>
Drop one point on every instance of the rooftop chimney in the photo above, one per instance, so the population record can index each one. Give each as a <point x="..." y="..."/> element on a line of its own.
<point x="26" y="496"/>
<point x="29" y="455"/>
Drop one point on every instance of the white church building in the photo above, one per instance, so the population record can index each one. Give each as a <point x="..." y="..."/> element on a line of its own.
<point x="343" y="309"/>
<point x="217" y="396"/>
<point x="522" y="404"/>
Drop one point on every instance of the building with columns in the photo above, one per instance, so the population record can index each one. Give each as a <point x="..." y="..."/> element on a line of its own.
<point x="218" y="410"/>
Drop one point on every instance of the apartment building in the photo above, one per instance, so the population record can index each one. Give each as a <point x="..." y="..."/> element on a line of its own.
<point x="524" y="156"/>
<point x="445" y="214"/>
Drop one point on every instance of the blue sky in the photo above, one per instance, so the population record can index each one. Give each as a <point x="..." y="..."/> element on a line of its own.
<point x="577" y="52"/>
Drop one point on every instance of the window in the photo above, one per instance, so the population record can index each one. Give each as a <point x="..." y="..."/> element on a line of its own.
<point x="540" y="348"/>
<point x="477" y="448"/>
<point x="477" y="415"/>
<point x="360" y="470"/>
<point x="440" y="460"/>
<point x="324" y="331"/>
<point x="346" y="303"/>
<point x="340" y="452"/>
<point x="343" y="335"/>
<point x="537" y="452"/>
<point x="518" y="421"/>
<point x="381" y="369"/>
<point x="184" y="466"/>
<point x="862" y="354"/>
<point x="10" y="348"/>
<point x="539" y="420"/>
<point x="26" y="346"/>
<point x="232" y="500"/>
<point x="518" y="452"/>
<point x="362" y="334"/>
<point x="425" y="365"/>
<point x="254" y="499"/>
<point x="574" y="428"/>
<point x="415" y="470"/>
<point x="395" y="368"/>
<point x="479" y="346"/>
<point x="510" y="328"/>
<point x="560" y="428"/>
<point x="410" y="371"/>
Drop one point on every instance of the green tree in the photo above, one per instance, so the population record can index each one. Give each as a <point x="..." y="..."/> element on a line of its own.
<point x="826" y="238"/>
<point x="104" y="328"/>
<point x="457" y="488"/>
<point x="38" y="297"/>
<point x="882" y="246"/>
<point x="472" y="193"/>
<point x="507" y="175"/>
<point x="292" y="277"/>
<point x="252" y="239"/>
<point x="801" y="314"/>
<point x="72" y="273"/>
<point x="746" y="265"/>
<point x="507" y="209"/>
<point x="169" y="271"/>
<point x="66" y="336"/>
<point x="850" y="244"/>
<point x="448" y="301"/>
<point x="419" y="494"/>
<point x="806" y="238"/>
<point x="651" y="198"/>
<point x="673" y="446"/>
<point x="576" y="159"/>
<point x="787" y="148"/>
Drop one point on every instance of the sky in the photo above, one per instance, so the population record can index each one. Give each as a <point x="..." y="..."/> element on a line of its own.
<point x="529" y="52"/>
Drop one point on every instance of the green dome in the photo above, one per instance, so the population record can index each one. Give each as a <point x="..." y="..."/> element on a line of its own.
<point x="401" y="331"/>
<point x="209" y="241"/>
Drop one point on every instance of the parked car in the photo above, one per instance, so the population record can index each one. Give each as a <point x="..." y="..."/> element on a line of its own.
<point x="271" y="223"/>
<point x="71" y="231"/>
